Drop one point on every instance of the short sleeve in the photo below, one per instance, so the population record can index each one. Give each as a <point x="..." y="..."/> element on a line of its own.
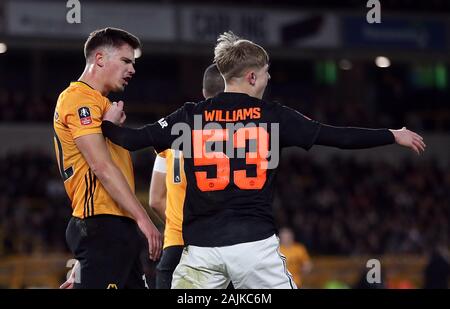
<point x="297" y="129"/>
<point x="160" y="164"/>
<point x="163" y="154"/>
<point x="84" y="114"/>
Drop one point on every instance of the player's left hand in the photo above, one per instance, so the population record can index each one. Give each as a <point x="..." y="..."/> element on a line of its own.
<point x="409" y="139"/>
<point x="115" y="114"/>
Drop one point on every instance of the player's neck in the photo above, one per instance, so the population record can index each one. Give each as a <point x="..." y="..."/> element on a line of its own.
<point x="239" y="88"/>
<point x="92" y="79"/>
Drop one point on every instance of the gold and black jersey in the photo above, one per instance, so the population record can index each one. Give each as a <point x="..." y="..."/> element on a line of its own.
<point x="176" y="192"/>
<point x="79" y="112"/>
<point x="296" y="257"/>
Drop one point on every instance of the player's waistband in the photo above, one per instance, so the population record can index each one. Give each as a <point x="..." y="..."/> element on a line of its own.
<point x="107" y="217"/>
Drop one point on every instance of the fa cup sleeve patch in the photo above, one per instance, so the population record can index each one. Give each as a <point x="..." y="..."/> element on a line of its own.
<point x="85" y="115"/>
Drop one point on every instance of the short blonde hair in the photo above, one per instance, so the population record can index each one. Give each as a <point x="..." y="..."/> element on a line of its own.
<point x="234" y="55"/>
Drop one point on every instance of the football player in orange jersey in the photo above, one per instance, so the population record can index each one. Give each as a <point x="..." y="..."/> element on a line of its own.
<point x="103" y="233"/>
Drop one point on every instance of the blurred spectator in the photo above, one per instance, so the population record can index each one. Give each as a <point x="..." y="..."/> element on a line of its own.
<point x="347" y="207"/>
<point x="339" y="207"/>
<point x="390" y="97"/>
<point x="297" y="257"/>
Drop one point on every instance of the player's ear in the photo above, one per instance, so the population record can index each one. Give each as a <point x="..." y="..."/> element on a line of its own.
<point x="99" y="59"/>
<point x="251" y="77"/>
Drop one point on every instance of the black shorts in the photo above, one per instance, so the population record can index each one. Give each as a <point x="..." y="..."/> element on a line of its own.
<point x="164" y="271"/>
<point x="108" y="249"/>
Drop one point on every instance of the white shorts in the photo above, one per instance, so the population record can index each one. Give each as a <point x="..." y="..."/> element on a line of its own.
<point x="251" y="265"/>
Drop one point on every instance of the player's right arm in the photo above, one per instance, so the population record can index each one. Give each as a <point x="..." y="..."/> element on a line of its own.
<point x="94" y="149"/>
<point x="158" y="190"/>
<point x="157" y="134"/>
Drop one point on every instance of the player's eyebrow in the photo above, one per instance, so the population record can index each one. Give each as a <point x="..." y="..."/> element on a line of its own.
<point x="127" y="60"/>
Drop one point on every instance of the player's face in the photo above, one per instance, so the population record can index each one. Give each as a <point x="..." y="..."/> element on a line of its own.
<point x="286" y="237"/>
<point x="262" y="78"/>
<point x="119" y="67"/>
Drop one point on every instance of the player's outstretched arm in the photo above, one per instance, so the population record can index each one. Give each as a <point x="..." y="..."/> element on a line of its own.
<point x="360" y="138"/>
<point x="96" y="154"/>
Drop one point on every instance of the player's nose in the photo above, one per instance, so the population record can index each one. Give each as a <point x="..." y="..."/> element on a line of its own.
<point x="131" y="70"/>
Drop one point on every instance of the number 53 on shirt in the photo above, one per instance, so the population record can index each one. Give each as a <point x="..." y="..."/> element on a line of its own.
<point x="258" y="157"/>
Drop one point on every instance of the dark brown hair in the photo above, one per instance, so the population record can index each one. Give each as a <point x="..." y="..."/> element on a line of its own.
<point x="112" y="37"/>
<point x="213" y="82"/>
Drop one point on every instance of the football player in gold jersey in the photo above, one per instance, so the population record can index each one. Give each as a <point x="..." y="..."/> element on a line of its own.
<point x="297" y="257"/>
<point x="103" y="233"/>
<point x="168" y="189"/>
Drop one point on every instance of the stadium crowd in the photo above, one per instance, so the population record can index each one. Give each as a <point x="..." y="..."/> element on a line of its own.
<point x="348" y="207"/>
<point x="341" y="207"/>
<point x="364" y="96"/>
